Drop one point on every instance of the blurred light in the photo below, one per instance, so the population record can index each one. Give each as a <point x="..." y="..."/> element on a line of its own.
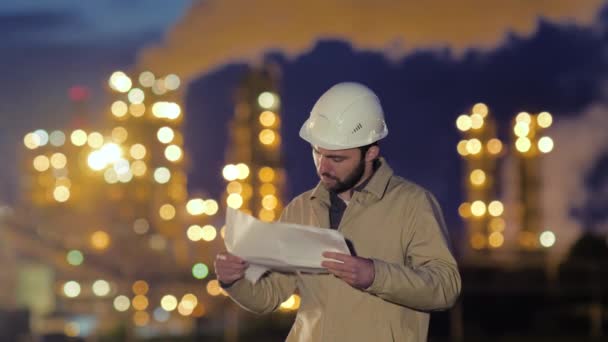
<point x="528" y="239"/>
<point x="497" y="224"/>
<point x="464" y="210"/>
<point x="43" y="137"/>
<point x="234" y="187"/>
<point x="141" y="318"/>
<point x="223" y="232"/>
<point x="72" y="329"/>
<point x="140" y="302"/>
<point x="195" y="206"/>
<point x="478" y="208"/>
<point x="136" y="96"/>
<point x="481" y="109"/>
<point x="146" y="79"/>
<point x="476" y="121"/>
<point x="547" y="238"/>
<point x="141" y="226"/>
<point x="161" y="315"/>
<point x="120" y="82"/>
<point x="213" y="288"/>
<point x="119" y="109"/>
<point x="495" y="208"/>
<point x="523" y="117"/>
<point x="173" y="153"/>
<point x="230" y="172"/>
<point x="478" y="241"/>
<point x="184" y="309"/>
<point x="234" y="201"/>
<point x="139" y="168"/>
<point x="521" y="129"/>
<point x="100" y="240"/>
<point x="110" y="176"/>
<point x="119" y="134"/>
<point x="121" y="166"/>
<point x="494" y="146"/>
<point x="270" y="202"/>
<point x="478" y="177"/>
<point x="208" y="233"/>
<point x="95" y="139"/>
<point x="71" y="289"/>
<point x="462" y="147"/>
<point x="199" y="311"/>
<point x="266" y="174"/>
<point x="268" y="118"/>
<point x="166" y="110"/>
<point x="122" y="303"/>
<point x="165" y="135"/>
<point x="194" y="233"/>
<point x="78" y="137"/>
<point x="75" y="257"/>
<point x="41" y="163"/>
<point x="61" y="193"/>
<point x="57" y="138"/>
<point x="473" y="146"/>
<point x="266" y="215"/>
<point x="545" y="144"/>
<point x="544" y="119"/>
<point x="267" y="189"/>
<point x="137" y="109"/>
<point x="125" y="177"/>
<point x="292" y="303"/>
<point x="58" y="160"/>
<point x="267" y="136"/>
<point x="62" y="181"/>
<point x="168" y="303"/>
<point x="158" y="87"/>
<point x="464" y="122"/>
<point x="31" y="141"/>
<point x="138" y="151"/>
<point x="268" y="100"/>
<point x="211" y="207"/>
<point x="101" y="288"/>
<point x="140" y="287"/>
<point x="167" y="212"/>
<point x="200" y="271"/>
<point x="247" y="191"/>
<point x="243" y="171"/>
<point x="111" y="153"/>
<point x="172" y="82"/>
<point x="523" y="144"/>
<point x="496" y="239"/>
<point x="162" y="175"/>
<point x="60" y="173"/>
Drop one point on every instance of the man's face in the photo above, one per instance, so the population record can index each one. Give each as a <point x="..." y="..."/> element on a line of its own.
<point x="339" y="170"/>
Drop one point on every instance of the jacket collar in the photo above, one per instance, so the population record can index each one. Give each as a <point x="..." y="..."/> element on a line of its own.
<point x="376" y="186"/>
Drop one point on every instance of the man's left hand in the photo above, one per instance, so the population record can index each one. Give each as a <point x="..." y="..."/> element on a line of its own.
<point x="355" y="271"/>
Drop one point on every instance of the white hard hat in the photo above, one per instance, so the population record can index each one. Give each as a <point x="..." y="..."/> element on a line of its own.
<point x="348" y="115"/>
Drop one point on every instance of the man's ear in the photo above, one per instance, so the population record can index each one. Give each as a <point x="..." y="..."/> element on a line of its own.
<point x="372" y="153"/>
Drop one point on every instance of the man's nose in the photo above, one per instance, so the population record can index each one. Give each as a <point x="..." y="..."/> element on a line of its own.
<point x="324" y="165"/>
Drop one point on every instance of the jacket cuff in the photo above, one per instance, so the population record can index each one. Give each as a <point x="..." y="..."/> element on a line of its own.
<point x="379" y="277"/>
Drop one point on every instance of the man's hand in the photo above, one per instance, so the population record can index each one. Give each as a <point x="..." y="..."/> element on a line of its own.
<point x="229" y="268"/>
<point x="357" y="272"/>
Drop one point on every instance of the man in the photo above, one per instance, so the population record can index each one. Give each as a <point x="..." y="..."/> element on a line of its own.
<point x="401" y="267"/>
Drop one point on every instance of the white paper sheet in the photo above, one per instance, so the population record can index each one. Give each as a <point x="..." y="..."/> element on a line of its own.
<point x="284" y="247"/>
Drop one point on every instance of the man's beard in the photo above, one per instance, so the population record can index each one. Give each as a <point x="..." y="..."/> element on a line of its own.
<point x="349" y="182"/>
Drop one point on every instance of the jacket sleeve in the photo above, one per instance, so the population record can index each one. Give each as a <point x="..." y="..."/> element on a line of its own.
<point x="267" y="293"/>
<point x="428" y="279"/>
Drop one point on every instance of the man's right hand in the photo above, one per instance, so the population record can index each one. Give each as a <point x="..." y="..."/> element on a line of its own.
<point x="229" y="268"/>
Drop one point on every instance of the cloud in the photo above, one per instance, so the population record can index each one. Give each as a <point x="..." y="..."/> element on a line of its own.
<point x="214" y="33"/>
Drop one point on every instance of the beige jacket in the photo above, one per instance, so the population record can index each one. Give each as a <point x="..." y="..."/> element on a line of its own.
<point x="399" y="226"/>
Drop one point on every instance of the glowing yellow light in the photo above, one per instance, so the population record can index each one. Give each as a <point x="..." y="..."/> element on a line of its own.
<point x="247" y="191"/>
<point x="146" y="79"/>
<point x="78" y="137"/>
<point x="208" y="233"/>
<point x="292" y="303"/>
<point x="168" y="303"/>
<point x="495" y="208"/>
<point x="184" y="309"/>
<point x="243" y="171"/>
<point x="545" y="144"/>
<point x="199" y="310"/>
<point x="478" y="241"/>
<point x="41" y="163"/>
<point x="31" y="141"/>
<point x="111" y="153"/>
<point x="464" y="122"/>
<point x="464" y="210"/>
<point x="234" y="187"/>
<point x="72" y="329"/>
<point x="211" y="207"/>
<point x="122" y="303"/>
<point x="523" y="144"/>
<point x="497" y="224"/>
<point x="140" y="302"/>
<point x="101" y="288"/>
<point x="213" y="288"/>
<point x="194" y="233"/>
<point x="141" y="318"/>
<point x="195" y="206"/>
<point x="223" y="232"/>
<point x="95" y="140"/>
<point x="120" y="82"/>
<point x="158" y="87"/>
<point x="478" y="208"/>
<point x="167" y="110"/>
<point x="165" y="135"/>
<point x="110" y="176"/>
<point x="496" y="239"/>
<point x="119" y="134"/>
<point x="71" y="289"/>
<point x="494" y="146"/>
<point x="268" y="118"/>
<point x="476" y="121"/>
<point x="267" y="136"/>
<point x="119" y="109"/>
<point x="523" y="117"/>
<point x="521" y="129"/>
<point x="481" y="109"/>
<point x="139" y="168"/>
<point x="137" y="109"/>
<point x="473" y="146"/>
<point x="140" y="287"/>
<point x="268" y="189"/>
<point x="268" y="100"/>
<point x="230" y="172"/>
<point x="547" y="238"/>
<point x="63" y="181"/>
<point x="234" y="201"/>
<point x="266" y="174"/>
<point x="137" y="151"/>
<point x="544" y="119"/>
<point x="266" y="215"/>
<point x="167" y="212"/>
<point x="61" y="193"/>
<point x="172" y="82"/>
<point x="162" y="175"/>
<point x="189" y="301"/>
<point x="478" y="177"/>
<point x="57" y="138"/>
<point x="136" y="95"/>
<point x="100" y="240"/>
<point x="462" y="148"/>
<point x="173" y="153"/>
<point x="43" y="137"/>
<point x="270" y="202"/>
